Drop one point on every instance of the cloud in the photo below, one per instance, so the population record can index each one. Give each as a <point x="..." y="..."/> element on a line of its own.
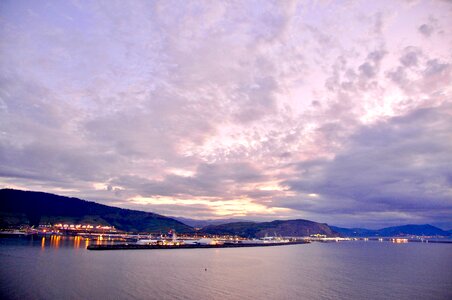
<point x="178" y="101"/>
<point x="400" y="165"/>
<point x="426" y="29"/>
<point x="410" y="57"/>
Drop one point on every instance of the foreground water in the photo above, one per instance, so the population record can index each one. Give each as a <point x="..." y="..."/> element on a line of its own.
<point x="64" y="269"/>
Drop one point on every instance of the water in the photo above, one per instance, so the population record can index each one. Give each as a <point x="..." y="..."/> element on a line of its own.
<point x="64" y="269"/>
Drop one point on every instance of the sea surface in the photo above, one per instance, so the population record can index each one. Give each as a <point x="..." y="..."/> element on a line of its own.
<point x="63" y="269"/>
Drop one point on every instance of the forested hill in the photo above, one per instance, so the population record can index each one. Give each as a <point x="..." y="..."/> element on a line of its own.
<point x="33" y="208"/>
<point x="285" y="228"/>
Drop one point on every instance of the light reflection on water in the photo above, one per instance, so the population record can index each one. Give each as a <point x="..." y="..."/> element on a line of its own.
<point x="344" y="270"/>
<point x="76" y="242"/>
<point x="57" y="241"/>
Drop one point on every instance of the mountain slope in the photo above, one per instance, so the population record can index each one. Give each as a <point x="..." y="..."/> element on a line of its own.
<point x="26" y="207"/>
<point x="419" y="230"/>
<point x="278" y="227"/>
<point x="426" y="230"/>
<point x="355" y="232"/>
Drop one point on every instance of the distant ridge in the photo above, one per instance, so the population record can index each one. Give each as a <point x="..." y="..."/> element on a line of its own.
<point x="404" y="230"/>
<point x="34" y="208"/>
<point x="292" y="228"/>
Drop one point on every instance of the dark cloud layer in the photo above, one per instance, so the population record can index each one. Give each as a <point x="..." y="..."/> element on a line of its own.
<point x="402" y="165"/>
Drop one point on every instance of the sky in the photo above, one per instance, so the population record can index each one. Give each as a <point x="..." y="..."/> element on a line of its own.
<point x="333" y="111"/>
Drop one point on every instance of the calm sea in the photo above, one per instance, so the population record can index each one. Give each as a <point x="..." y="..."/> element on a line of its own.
<point x="64" y="269"/>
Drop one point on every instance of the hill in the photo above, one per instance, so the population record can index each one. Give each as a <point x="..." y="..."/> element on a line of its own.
<point x="425" y="230"/>
<point x="278" y="228"/>
<point x="404" y="230"/>
<point x="34" y="208"/>
<point x="355" y="232"/>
